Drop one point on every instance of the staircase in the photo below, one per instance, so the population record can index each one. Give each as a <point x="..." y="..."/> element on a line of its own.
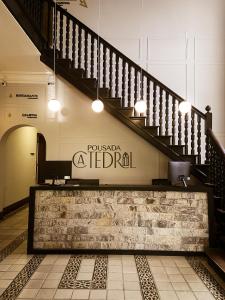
<point x="89" y="62"/>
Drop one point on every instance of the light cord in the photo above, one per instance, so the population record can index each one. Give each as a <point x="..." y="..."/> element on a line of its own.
<point x="141" y="75"/>
<point x="54" y="50"/>
<point x="98" y="47"/>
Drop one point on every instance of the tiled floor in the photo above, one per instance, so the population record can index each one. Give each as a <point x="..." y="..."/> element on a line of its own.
<point x="96" y="277"/>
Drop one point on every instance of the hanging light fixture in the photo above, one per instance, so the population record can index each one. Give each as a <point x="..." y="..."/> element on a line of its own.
<point x="54" y="104"/>
<point x="97" y="105"/>
<point x="185" y="107"/>
<point x="140" y="105"/>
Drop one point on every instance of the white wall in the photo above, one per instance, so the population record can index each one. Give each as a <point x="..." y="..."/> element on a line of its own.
<point x="77" y="126"/>
<point x="18" y="164"/>
<point x="186" y="44"/>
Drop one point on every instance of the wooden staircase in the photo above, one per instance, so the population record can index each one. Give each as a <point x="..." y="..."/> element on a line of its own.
<point x="89" y="63"/>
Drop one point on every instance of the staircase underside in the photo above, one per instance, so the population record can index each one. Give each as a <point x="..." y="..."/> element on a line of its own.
<point x="113" y="106"/>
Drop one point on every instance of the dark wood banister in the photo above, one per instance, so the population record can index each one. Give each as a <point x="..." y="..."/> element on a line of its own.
<point x="128" y="60"/>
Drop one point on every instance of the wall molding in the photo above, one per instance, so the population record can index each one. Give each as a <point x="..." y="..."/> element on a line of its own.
<point x="13" y="207"/>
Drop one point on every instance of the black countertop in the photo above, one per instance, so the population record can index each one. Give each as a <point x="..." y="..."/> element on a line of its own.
<point x="193" y="188"/>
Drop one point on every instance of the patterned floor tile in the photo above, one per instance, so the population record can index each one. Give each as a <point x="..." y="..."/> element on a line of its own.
<point x="206" y="277"/>
<point x="13" y="245"/>
<point x="21" y="279"/>
<point x="148" y="287"/>
<point x="70" y="276"/>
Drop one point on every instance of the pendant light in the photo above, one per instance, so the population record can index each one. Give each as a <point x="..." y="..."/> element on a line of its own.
<point x="185" y="107"/>
<point x="97" y="105"/>
<point x="140" y="105"/>
<point x="54" y="104"/>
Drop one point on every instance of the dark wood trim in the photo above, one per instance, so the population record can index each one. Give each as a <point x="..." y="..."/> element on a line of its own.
<point x="13" y="207"/>
<point x="213" y="257"/>
<point x="31" y="250"/>
<point x="115" y="251"/>
<point x="110" y="187"/>
<point x="22" y="17"/>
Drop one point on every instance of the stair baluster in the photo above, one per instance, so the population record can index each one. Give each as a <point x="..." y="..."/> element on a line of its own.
<point x="154" y="103"/>
<point x="74" y="45"/>
<point x="186" y="133"/>
<point x="161" y="111"/>
<point x="104" y="66"/>
<point x="179" y="128"/>
<point x="79" y="47"/>
<point x="192" y="132"/>
<point x="173" y="120"/>
<point x="135" y="88"/>
<point x="67" y="37"/>
<point x="167" y="116"/>
<point x="199" y="139"/>
<point x="148" y="98"/>
<point x="86" y="54"/>
<point x="92" y="56"/>
<point x="129" y="85"/>
<point x="61" y="35"/>
<point x="123" y="83"/>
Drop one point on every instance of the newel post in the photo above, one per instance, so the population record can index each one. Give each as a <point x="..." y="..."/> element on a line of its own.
<point x="208" y="125"/>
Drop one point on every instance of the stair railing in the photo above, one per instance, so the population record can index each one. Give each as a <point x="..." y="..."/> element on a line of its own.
<point x="124" y="78"/>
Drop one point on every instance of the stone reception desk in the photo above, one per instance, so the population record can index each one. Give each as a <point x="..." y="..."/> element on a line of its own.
<point x="70" y="219"/>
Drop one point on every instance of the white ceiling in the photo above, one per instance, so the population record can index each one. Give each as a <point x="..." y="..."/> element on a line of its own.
<point x="17" y="52"/>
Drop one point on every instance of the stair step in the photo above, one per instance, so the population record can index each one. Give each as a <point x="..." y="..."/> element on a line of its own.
<point x="178" y="149"/>
<point x="77" y="72"/>
<point x="91" y="82"/>
<point x="191" y="157"/>
<point x="65" y="62"/>
<point x="166" y="139"/>
<point x="152" y="129"/>
<point x="114" y="101"/>
<point x="138" y="121"/>
<point x="127" y="111"/>
<point x="103" y="92"/>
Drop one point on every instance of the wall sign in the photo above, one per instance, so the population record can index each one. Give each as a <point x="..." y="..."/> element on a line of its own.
<point x="29" y="116"/>
<point x="27" y="96"/>
<point x="82" y="2"/>
<point x="103" y="156"/>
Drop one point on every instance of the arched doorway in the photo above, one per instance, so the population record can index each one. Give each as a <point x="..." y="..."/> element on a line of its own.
<point x="18" y="161"/>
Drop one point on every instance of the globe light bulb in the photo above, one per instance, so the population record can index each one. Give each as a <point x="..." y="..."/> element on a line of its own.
<point x="97" y="106"/>
<point x="184" y="107"/>
<point x="54" y="105"/>
<point x="140" y="106"/>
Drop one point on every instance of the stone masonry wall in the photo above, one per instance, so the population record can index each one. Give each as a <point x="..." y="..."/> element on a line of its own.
<point x="103" y="219"/>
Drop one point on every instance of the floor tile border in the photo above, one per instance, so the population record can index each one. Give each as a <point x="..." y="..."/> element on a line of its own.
<point x="17" y="285"/>
<point x="13" y="245"/>
<point x="207" y="278"/>
<point x="68" y="280"/>
<point x="148" y="287"/>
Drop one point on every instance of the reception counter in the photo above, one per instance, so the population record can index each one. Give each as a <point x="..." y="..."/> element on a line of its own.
<point x="115" y="219"/>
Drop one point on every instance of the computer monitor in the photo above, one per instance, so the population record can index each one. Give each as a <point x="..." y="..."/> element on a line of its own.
<point x="179" y="172"/>
<point x="56" y="169"/>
